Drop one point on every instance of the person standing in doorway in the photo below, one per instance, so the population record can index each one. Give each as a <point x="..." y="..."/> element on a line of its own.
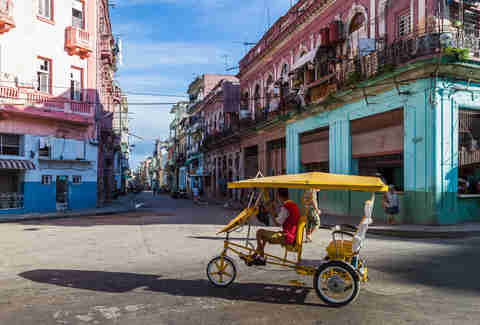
<point x="391" y="204"/>
<point x="312" y="212"/>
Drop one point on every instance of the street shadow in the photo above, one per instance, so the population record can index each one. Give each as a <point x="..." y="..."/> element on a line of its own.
<point x="115" y="282"/>
<point x="443" y="264"/>
<point x="138" y="218"/>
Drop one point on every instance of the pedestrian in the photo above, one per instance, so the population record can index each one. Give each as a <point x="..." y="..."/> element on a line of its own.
<point x="312" y="212"/>
<point x="391" y="204"/>
<point x="195" y="192"/>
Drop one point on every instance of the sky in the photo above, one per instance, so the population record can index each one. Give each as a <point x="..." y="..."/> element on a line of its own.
<point x="167" y="43"/>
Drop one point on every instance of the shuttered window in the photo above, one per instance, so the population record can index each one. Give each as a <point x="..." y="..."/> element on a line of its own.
<point x="76" y="84"/>
<point x="10" y="144"/>
<point x="403" y="24"/>
<point x="78" y="14"/>
<point x="314" y="147"/>
<point x="45" y="8"/>
<point x="44" y="75"/>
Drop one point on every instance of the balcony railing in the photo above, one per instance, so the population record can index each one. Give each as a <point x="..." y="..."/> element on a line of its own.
<point x="385" y="58"/>
<point x="106" y="49"/>
<point x="11" y="201"/>
<point x="8" y="92"/>
<point x="81" y="107"/>
<point x="55" y="102"/>
<point x="77" y="42"/>
<point x="6" y="16"/>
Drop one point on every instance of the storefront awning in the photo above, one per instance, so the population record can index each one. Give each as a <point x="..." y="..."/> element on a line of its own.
<point x="16" y="164"/>
<point x="306" y="58"/>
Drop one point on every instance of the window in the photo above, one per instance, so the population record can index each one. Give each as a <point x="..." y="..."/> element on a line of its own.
<point x="76" y="84"/>
<point x="11" y="190"/>
<point x="45" y="9"/>
<point x="44" y="148"/>
<point x="77" y="179"/>
<point x="468" y="151"/>
<point x="10" y="144"/>
<point x="46" y="179"/>
<point x="403" y="24"/>
<point x="44" y="75"/>
<point x="78" y="14"/>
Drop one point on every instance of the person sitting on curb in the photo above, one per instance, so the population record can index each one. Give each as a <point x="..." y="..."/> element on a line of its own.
<point x="287" y="218"/>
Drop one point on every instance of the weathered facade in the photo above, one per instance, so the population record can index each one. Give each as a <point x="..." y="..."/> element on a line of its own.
<point x="109" y="101"/>
<point x="48" y="96"/>
<point x="221" y="109"/>
<point x="385" y="91"/>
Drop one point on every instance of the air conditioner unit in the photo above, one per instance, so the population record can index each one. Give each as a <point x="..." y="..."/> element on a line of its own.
<point x="244" y="114"/>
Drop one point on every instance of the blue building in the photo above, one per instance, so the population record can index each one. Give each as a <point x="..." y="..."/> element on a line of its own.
<point x="418" y="126"/>
<point x="47" y="174"/>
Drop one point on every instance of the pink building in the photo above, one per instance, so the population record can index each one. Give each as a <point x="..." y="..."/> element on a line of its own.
<point x="49" y="98"/>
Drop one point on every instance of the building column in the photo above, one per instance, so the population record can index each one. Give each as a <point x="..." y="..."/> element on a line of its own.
<point x="293" y="150"/>
<point x="340" y="146"/>
<point x="262" y="157"/>
<point x="446" y="157"/>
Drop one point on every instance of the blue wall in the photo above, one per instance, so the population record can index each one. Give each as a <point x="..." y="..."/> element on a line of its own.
<point x="39" y="198"/>
<point x="83" y="196"/>
<point x="430" y="151"/>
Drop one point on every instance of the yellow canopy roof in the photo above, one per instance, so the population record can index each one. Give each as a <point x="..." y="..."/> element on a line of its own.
<point x="320" y="181"/>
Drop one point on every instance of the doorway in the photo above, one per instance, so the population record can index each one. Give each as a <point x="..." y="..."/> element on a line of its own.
<point x="62" y="193"/>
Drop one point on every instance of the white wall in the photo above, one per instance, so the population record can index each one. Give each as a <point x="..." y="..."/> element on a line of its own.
<point x="32" y="37"/>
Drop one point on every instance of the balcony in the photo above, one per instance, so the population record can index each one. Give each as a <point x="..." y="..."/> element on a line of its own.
<point x="77" y="42"/>
<point x="106" y="50"/>
<point x="34" y="99"/>
<point x="354" y="68"/>
<point x="6" y="16"/>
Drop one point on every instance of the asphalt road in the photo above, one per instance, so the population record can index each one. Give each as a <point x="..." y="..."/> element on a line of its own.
<point x="148" y="267"/>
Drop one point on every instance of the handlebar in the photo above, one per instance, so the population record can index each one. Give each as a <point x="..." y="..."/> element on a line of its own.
<point x="343" y="233"/>
<point x="343" y="227"/>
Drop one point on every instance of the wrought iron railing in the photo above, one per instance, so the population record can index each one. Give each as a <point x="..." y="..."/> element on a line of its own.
<point x="11" y="201"/>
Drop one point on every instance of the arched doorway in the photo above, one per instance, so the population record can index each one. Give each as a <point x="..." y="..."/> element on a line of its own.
<point x="256" y="100"/>
<point x="357" y="29"/>
<point x="269" y="92"/>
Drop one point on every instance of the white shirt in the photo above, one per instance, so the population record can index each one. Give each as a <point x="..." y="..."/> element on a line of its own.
<point x="282" y="215"/>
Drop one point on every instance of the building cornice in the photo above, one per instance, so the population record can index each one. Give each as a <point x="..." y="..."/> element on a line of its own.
<point x="302" y="22"/>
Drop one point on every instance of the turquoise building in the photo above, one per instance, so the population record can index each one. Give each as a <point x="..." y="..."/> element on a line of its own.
<point x="416" y="126"/>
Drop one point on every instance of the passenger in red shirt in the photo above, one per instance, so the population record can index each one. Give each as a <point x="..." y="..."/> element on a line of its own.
<point x="287" y="218"/>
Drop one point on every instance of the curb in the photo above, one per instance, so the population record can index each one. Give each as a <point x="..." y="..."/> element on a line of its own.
<point x="62" y="216"/>
<point x="423" y="234"/>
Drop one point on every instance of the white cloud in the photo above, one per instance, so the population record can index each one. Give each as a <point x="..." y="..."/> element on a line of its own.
<point x="141" y="55"/>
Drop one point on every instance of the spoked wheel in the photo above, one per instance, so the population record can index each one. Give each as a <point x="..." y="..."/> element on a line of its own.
<point x="336" y="283"/>
<point x="221" y="271"/>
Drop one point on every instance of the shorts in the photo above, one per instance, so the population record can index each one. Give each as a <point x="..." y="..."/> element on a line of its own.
<point x="313" y="219"/>
<point x="392" y="211"/>
<point x="274" y="237"/>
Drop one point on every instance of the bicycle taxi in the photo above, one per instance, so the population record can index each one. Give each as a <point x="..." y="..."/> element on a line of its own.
<point x="337" y="279"/>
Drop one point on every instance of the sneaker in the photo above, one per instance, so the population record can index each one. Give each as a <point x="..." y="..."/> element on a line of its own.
<point x="259" y="261"/>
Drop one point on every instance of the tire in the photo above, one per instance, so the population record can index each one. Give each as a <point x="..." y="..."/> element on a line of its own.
<point x="336" y="283"/>
<point x="213" y="267"/>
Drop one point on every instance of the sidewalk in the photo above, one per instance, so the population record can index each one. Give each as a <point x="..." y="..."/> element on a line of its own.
<point x="121" y="205"/>
<point x="408" y="231"/>
<point x="419" y="231"/>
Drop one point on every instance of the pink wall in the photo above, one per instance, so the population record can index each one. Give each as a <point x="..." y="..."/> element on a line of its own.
<point x="211" y="80"/>
<point x="341" y="8"/>
<point x="36" y="127"/>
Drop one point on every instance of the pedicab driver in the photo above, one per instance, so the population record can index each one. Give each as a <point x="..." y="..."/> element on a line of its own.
<point x="287" y="218"/>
